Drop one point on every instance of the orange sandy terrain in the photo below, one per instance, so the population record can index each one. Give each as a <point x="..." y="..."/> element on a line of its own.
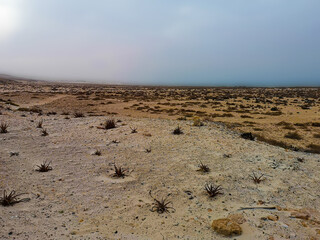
<point x="287" y="117"/>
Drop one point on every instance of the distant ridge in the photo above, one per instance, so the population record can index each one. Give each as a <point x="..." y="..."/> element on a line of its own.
<point x="6" y="78"/>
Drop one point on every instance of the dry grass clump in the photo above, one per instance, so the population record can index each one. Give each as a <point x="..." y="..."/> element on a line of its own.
<point x="203" y="167"/>
<point x="133" y="130"/>
<point x="119" y="172"/>
<point x="315" y="124"/>
<point x="197" y="122"/>
<point x="39" y="124"/>
<point x="272" y="142"/>
<point x="78" y="115"/>
<point x="109" y="124"/>
<point x="313" y="148"/>
<point x="11" y="198"/>
<point x="161" y="206"/>
<point x="4" y="127"/>
<point x="177" y="131"/>
<point x="44" y="132"/>
<point x="316" y="135"/>
<point x="213" y="190"/>
<point x="248" y="136"/>
<point x="257" y="179"/>
<point x="293" y="135"/>
<point x="97" y="152"/>
<point x="44" y="167"/>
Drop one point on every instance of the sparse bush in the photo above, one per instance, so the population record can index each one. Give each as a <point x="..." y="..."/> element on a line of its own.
<point x="4" y="127"/>
<point x="203" y="167"/>
<point x="119" y="172"/>
<point x="316" y="135"/>
<point x="161" y="206"/>
<point x="133" y="130"/>
<point x="313" y="148"/>
<point x="97" y="153"/>
<point x="177" y="131"/>
<point x="78" y="115"/>
<point x="11" y="198"/>
<point x="44" y="167"/>
<point x="248" y="136"/>
<point x="39" y="124"/>
<point x="293" y="135"/>
<point x="315" y="124"/>
<point x="257" y="179"/>
<point x="213" y="190"/>
<point x="197" y="122"/>
<point x="44" y="133"/>
<point x="109" y="124"/>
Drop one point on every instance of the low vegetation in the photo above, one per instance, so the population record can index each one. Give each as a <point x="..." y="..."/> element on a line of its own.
<point x="177" y="131"/>
<point x="119" y="172"/>
<point x="293" y="135"/>
<point x="11" y="198"/>
<point x="4" y="127"/>
<point x="213" y="190"/>
<point x="44" y="167"/>
<point x="109" y="124"/>
<point x="162" y="205"/>
<point x="203" y="167"/>
<point x="257" y="179"/>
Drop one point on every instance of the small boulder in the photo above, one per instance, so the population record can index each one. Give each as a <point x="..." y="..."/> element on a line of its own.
<point x="226" y="227"/>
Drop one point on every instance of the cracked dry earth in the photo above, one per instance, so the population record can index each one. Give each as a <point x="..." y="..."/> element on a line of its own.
<point x="79" y="198"/>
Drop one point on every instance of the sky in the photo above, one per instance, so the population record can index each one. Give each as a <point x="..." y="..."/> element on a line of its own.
<point x="163" y="42"/>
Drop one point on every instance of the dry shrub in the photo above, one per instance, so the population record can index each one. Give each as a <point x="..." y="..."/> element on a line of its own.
<point x="313" y="148"/>
<point x="78" y="115"/>
<point x="109" y="124"/>
<point x="4" y="127"/>
<point x="293" y="135"/>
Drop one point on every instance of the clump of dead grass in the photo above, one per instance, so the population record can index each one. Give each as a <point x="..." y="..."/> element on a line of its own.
<point x="162" y="205"/>
<point x="213" y="190"/>
<point x="44" y="167"/>
<point x="4" y="127"/>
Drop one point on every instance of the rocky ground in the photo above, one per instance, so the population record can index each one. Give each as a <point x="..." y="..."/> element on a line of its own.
<point x="80" y="199"/>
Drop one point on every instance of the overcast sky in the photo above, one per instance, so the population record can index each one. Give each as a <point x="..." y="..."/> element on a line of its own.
<point x="178" y="42"/>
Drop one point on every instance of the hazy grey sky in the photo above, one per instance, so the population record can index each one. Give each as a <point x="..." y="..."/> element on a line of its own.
<point x="179" y="42"/>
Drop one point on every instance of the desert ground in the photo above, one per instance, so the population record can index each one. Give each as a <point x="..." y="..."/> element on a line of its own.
<point x="64" y="124"/>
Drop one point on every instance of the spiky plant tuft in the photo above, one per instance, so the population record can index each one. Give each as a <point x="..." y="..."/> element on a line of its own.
<point x="119" y="172"/>
<point x="203" y="167"/>
<point x="133" y="130"/>
<point x="161" y="206"/>
<point x="177" y="131"/>
<point x="4" y="127"/>
<point x="11" y="198"/>
<point x="44" y="132"/>
<point x="213" y="190"/>
<point x="257" y="179"/>
<point x="39" y="124"/>
<point x="44" y="167"/>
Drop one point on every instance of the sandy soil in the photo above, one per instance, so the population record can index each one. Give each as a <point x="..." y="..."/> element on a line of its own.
<point x="79" y="198"/>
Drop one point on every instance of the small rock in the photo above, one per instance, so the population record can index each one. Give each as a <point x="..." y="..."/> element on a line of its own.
<point x="273" y="217"/>
<point x="300" y="215"/>
<point x="226" y="227"/>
